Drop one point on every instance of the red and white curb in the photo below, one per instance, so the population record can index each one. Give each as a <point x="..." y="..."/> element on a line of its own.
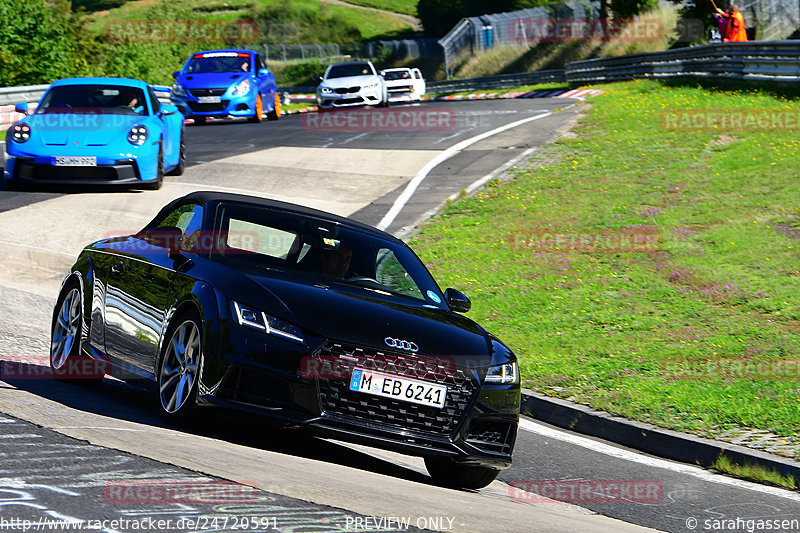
<point x="580" y="94"/>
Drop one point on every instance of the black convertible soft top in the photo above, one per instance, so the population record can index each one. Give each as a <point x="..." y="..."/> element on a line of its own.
<point x="206" y="197"/>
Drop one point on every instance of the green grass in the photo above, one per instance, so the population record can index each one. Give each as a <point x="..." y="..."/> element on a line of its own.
<point x="604" y="328"/>
<point x="755" y="473"/>
<point x="407" y="7"/>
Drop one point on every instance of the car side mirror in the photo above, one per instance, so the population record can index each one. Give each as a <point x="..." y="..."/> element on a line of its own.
<point x="320" y="78"/>
<point x="382" y="73"/>
<point x="262" y="72"/>
<point x="457" y="301"/>
<point x="175" y="75"/>
<point x="168" y="109"/>
<point x="169" y="237"/>
<point x="21" y="108"/>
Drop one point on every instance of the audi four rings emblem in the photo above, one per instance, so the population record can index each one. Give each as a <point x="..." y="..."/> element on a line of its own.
<point x="401" y="344"/>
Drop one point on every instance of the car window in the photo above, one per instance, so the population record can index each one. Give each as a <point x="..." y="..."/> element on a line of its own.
<point x="260" y="239"/>
<point x="305" y="248"/>
<point x="189" y="218"/>
<point x="260" y="62"/>
<point x="216" y="62"/>
<point x="390" y="273"/>
<point x="346" y="70"/>
<point x="94" y="99"/>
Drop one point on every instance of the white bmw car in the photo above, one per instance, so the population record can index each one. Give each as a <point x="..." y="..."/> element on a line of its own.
<point x="351" y="84"/>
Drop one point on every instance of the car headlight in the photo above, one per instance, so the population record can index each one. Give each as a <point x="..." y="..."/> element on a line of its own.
<point x="241" y="88"/>
<point x="503" y="374"/>
<point x="20" y="133"/>
<point x="138" y="135"/>
<point x="178" y="90"/>
<point x="325" y="90"/>
<point x="253" y="318"/>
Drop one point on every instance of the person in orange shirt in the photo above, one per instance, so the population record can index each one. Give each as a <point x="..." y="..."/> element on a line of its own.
<point x="734" y="24"/>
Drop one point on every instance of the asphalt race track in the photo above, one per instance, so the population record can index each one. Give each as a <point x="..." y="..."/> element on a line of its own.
<point x="66" y="449"/>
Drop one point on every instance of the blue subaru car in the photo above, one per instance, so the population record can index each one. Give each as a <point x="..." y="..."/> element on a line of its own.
<point x="98" y="131"/>
<point x="222" y="83"/>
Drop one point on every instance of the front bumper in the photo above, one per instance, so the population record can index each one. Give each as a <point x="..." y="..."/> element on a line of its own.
<point x="477" y="425"/>
<point x="371" y="96"/>
<point x="138" y="166"/>
<point x="235" y="106"/>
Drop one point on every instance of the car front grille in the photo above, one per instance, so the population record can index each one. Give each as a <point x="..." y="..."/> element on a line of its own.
<point x="337" y="400"/>
<point x="124" y="169"/>
<point x="208" y="108"/>
<point x="347" y="90"/>
<point x="399" y="89"/>
<point x="207" y="92"/>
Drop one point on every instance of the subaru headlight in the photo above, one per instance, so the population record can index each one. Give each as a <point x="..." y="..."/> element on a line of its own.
<point x="325" y="90"/>
<point x="20" y="133"/>
<point x="502" y="374"/>
<point x="256" y="319"/>
<point x="178" y="90"/>
<point x="138" y="135"/>
<point x="241" y="88"/>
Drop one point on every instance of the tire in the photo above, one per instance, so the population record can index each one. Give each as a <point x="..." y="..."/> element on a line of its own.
<point x="178" y="170"/>
<point x="275" y="114"/>
<point x="259" y="110"/>
<point x="66" y="361"/>
<point x="450" y="474"/>
<point x="179" y="367"/>
<point x="159" y="181"/>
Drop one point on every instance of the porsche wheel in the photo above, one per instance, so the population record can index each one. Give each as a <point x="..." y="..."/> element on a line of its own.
<point x="451" y="474"/>
<point x="179" y="367"/>
<point x="159" y="181"/>
<point x="66" y="361"/>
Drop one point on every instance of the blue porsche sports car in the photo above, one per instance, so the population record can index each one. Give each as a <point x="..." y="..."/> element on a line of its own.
<point x="96" y="131"/>
<point x="222" y="83"/>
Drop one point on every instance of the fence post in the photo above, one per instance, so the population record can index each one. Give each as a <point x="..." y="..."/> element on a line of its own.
<point x="266" y="53"/>
<point x="284" y="51"/>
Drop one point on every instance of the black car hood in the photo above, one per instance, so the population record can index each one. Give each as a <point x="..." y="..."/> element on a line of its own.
<point x="354" y="315"/>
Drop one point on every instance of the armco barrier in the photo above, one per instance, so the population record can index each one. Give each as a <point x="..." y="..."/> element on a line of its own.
<point x="756" y="61"/>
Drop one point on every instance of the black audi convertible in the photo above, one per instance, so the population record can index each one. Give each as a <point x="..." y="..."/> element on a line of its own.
<point x="297" y="314"/>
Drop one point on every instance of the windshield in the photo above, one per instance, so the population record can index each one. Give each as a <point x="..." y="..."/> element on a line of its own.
<point x="350" y="69"/>
<point x="94" y="99"/>
<point x="397" y="75"/>
<point x="216" y="62"/>
<point x="314" y="251"/>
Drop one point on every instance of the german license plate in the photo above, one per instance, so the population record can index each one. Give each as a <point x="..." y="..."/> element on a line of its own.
<point x="398" y="388"/>
<point x="208" y="99"/>
<point x="74" y="161"/>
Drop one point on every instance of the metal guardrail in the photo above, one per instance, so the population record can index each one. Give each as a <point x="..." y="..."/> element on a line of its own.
<point x="757" y="61"/>
<point x="27" y="93"/>
<point x="500" y="81"/>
